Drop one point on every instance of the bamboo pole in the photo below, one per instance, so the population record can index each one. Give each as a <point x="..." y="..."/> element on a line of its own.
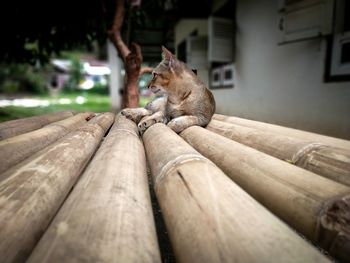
<point x="16" y="149"/>
<point x="210" y="218"/>
<point x="32" y="192"/>
<point x="295" y="133"/>
<point x="317" y="207"/>
<point x="112" y="201"/>
<point x="325" y="160"/>
<point x="15" y="127"/>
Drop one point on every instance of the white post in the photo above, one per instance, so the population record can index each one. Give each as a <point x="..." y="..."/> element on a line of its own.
<point x="115" y="65"/>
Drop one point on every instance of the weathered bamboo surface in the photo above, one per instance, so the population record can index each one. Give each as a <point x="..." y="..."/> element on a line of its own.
<point x="15" y="149"/>
<point x="317" y="207"/>
<point x="325" y="160"/>
<point x="300" y="134"/>
<point x="15" y="127"/>
<point x="209" y="217"/>
<point x="32" y="191"/>
<point x="108" y="215"/>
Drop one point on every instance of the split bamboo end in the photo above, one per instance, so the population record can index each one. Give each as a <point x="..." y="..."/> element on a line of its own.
<point x="334" y="228"/>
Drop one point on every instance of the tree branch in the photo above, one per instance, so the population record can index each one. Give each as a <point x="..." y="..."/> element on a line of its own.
<point x="146" y="70"/>
<point x="115" y="32"/>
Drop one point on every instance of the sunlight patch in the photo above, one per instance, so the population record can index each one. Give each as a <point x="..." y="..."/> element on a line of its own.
<point x="24" y="103"/>
<point x="64" y="101"/>
<point x="80" y="100"/>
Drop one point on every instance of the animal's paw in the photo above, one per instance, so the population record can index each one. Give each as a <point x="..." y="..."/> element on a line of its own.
<point x="129" y="114"/>
<point x="148" y="121"/>
<point x="176" y="126"/>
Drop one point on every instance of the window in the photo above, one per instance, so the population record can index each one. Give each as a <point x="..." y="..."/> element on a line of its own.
<point x="338" y="55"/>
<point x="305" y="19"/>
<point x="222" y="77"/>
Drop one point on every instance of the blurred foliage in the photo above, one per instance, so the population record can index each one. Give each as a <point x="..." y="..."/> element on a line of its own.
<point x="24" y="78"/>
<point x="39" y="29"/>
<point x="76" y="74"/>
<point x="100" y="89"/>
<point x="35" y="30"/>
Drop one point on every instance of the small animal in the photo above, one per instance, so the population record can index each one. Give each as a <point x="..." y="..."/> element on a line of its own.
<point x="182" y="100"/>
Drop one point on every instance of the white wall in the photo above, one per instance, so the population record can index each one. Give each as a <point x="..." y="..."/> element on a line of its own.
<point x="186" y="26"/>
<point x="183" y="29"/>
<point x="282" y="84"/>
<point x="115" y="65"/>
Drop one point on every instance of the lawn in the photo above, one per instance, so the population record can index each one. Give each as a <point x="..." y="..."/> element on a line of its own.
<point x="75" y="101"/>
<point x="36" y="105"/>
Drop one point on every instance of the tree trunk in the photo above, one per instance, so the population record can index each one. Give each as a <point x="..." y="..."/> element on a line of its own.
<point x="132" y="70"/>
<point x="132" y="59"/>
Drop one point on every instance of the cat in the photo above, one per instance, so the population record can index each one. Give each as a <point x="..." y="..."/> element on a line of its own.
<point x="182" y="100"/>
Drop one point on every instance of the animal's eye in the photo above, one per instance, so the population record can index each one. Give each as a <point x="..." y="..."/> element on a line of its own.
<point x="154" y="75"/>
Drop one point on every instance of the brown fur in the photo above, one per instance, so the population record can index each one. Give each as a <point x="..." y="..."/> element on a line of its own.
<point x="183" y="100"/>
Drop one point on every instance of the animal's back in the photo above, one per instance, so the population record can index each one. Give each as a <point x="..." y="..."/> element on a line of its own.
<point x="197" y="101"/>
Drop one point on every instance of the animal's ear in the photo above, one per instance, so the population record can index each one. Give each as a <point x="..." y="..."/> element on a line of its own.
<point x="169" y="58"/>
<point x="167" y="54"/>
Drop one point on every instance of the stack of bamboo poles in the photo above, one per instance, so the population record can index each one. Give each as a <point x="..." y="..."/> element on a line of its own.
<point x="315" y="206"/>
<point x="208" y="216"/>
<point x="318" y="207"/>
<point x="221" y="200"/>
<point x="311" y="153"/>
<point x="108" y="216"/>
<point x="19" y="147"/>
<point x="15" y="127"/>
<point x="32" y="190"/>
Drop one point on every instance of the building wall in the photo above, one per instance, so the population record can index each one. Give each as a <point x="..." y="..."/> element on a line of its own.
<point x="282" y="84"/>
<point x="186" y="26"/>
<point x="183" y="29"/>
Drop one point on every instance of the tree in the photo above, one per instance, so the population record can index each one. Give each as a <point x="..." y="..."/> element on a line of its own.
<point x="34" y="30"/>
<point x="132" y="58"/>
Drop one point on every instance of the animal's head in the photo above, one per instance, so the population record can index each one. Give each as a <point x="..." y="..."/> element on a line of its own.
<point x="168" y="74"/>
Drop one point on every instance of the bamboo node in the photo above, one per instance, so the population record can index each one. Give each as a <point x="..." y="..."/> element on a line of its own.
<point x="306" y="150"/>
<point x="127" y="131"/>
<point x="174" y="163"/>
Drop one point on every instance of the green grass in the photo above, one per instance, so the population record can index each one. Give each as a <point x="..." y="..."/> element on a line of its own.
<point x="93" y="102"/>
<point x="144" y="100"/>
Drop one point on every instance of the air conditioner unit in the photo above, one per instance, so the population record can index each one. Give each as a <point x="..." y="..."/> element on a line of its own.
<point x="220" y="36"/>
<point x="197" y="52"/>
